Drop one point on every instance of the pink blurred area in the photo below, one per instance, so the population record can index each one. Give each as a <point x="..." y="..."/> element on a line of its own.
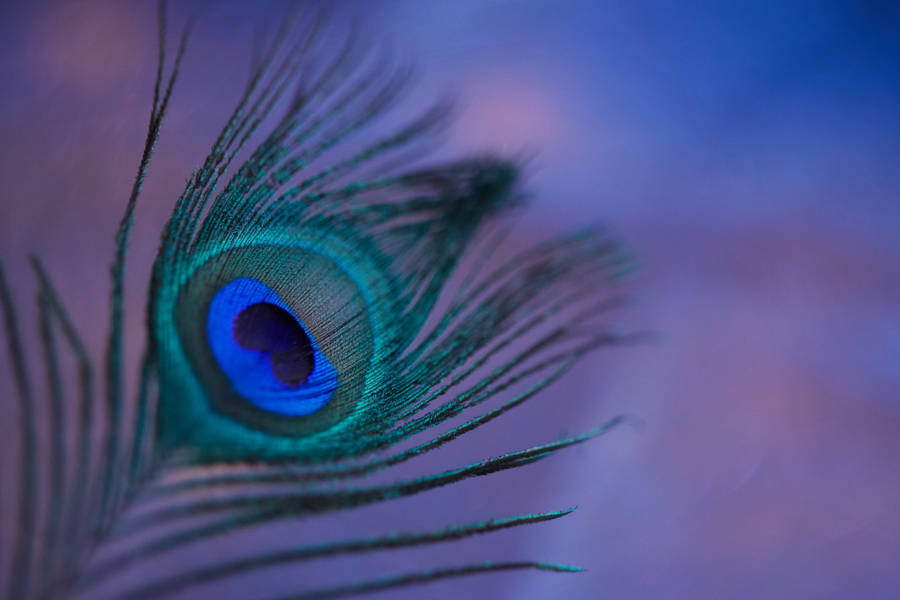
<point x="752" y="168"/>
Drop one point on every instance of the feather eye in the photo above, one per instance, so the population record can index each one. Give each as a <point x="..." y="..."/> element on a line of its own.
<point x="327" y="302"/>
<point x="344" y="303"/>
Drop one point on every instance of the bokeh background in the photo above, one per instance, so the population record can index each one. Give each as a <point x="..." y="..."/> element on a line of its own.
<point x="748" y="154"/>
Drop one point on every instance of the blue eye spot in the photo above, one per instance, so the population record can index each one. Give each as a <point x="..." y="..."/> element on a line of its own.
<point x="265" y="350"/>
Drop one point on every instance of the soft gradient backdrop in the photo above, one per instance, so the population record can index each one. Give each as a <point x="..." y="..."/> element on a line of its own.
<point x="749" y="154"/>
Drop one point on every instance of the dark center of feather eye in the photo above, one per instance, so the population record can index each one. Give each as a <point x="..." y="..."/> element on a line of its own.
<point x="269" y="328"/>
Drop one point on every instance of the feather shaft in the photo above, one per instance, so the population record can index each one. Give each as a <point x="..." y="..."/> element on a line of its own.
<point x="266" y="507"/>
<point x="73" y="525"/>
<point x="108" y="502"/>
<point x="20" y="577"/>
<point x="422" y="577"/>
<point x="56" y="458"/>
<point x="141" y="448"/>
<point x="168" y="586"/>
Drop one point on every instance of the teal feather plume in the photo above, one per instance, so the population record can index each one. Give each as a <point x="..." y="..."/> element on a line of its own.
<point x="307" y="315"/>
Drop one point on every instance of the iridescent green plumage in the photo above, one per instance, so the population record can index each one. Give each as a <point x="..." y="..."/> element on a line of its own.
<point x="380" y="262"/>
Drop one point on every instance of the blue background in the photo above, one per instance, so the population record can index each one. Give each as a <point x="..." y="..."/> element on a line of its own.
<point x="749" y="154"/>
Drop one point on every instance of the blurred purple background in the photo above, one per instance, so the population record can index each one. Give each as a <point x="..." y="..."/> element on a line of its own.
<point x="748" y="154"/>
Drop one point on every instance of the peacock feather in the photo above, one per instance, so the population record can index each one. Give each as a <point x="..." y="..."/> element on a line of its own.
<point x="323" y="307"/>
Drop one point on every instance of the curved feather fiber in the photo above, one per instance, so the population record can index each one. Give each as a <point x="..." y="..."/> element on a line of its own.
<point x="388" y="264"/>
